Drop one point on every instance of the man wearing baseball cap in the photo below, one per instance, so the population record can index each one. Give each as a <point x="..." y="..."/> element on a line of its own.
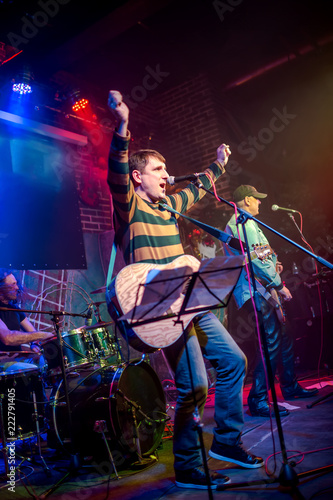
<point x="279" y="343"/>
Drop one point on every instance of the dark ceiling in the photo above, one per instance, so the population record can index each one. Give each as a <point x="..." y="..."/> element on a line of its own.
<point x="107" y="45"/>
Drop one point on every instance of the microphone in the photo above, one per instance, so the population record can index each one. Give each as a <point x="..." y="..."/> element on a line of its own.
<point x="190" y="177"/>
<point x="276" y="207"/>
<point x="89" y="315"/>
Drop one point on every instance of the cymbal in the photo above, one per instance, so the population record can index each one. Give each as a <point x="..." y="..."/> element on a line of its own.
<point x="102" y="289"/>
<point x="102" y="324"/>
<point x="10" y="356"/>
<point x="13" y="354"/>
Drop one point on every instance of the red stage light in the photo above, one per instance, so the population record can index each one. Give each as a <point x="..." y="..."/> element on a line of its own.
<point x="81" y="104"/>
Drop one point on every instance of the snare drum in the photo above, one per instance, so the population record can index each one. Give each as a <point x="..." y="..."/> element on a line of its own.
<point x="22" y="388"/>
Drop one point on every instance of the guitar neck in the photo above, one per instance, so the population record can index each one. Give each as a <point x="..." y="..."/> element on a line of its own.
<point x="260" y="252"/>
<point x="253" y="256"/>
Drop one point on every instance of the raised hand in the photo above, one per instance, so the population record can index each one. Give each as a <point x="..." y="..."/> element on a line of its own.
<point x="117" y="106"/>
<point x="223" y="153"/>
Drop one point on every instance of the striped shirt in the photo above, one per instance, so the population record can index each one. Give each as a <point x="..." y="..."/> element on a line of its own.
<point x="147" y="232"/>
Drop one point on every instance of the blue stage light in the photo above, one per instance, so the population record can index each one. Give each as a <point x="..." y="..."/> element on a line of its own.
<point x="22" y="88"/>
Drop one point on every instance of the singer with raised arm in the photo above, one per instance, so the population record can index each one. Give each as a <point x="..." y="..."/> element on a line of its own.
<point x="148" y="233"/>
<point x="270" y="288"/>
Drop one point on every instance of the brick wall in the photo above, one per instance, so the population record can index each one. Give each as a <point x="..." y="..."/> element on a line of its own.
<point x="191" y="131"/>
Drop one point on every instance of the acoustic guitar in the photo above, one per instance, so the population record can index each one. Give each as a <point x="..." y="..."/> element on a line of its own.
<point x="126" y="292"/>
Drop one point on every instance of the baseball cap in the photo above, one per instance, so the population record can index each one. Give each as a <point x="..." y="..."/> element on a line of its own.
<point x="245" y="190"/>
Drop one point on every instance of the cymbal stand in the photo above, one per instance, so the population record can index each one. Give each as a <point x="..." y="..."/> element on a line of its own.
<point x="97" y="311"/>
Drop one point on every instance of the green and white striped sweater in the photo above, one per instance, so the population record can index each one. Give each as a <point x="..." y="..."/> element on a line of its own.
<point x="146" y="232"/>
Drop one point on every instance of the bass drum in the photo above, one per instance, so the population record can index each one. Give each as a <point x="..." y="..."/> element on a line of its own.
<point x="128" y="398"/>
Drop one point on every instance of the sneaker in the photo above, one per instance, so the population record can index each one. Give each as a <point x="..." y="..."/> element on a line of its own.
<point x="196" y="478"/>
<point x="263" y="410"/>
<point x="235" y="454"/>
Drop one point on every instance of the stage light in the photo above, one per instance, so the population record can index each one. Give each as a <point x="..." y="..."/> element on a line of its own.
<point x="78" y="103"/>
<point x="81" y="104"/>
<point x="22" y="88"/>
<point x="22" y="83"/>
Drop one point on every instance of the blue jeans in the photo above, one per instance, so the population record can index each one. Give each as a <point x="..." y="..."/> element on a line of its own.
<point x="281" y="355"/>
<point x="206" y="336"/>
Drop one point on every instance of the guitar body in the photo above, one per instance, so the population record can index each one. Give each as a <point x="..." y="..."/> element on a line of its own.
<point x="128" y="294"/>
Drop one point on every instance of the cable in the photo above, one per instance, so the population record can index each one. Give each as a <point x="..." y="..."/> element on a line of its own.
<point x="298" y="453"/>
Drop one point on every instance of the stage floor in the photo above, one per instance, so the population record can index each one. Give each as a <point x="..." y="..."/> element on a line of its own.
<point x="307" y="432"/>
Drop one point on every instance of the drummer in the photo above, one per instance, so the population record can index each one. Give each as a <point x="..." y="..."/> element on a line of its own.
<point x="16" y="329"/>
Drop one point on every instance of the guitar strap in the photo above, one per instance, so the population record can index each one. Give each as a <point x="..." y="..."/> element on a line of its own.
<point x="109" y="293"/>
<point x="111" y="264"/>
<point x="109" y="280"/>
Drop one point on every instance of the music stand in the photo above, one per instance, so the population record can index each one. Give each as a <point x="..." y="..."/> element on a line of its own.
<point x="164" y="296"/>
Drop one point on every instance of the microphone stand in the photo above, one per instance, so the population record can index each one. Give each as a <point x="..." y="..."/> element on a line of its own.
<point x="288" y="478"/>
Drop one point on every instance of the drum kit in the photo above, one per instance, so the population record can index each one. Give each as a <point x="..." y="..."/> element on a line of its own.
<point x="86" y="398"/>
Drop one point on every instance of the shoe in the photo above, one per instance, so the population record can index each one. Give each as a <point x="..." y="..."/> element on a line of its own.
<point x="263" y="411"/>
<point x="299" y="392"/>
<point x="235" y="454"/>
<point x="196" y="478"/>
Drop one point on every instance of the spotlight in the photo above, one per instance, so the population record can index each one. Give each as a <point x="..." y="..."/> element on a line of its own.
<point x="81" y="104"/>
<point x="78" y="103"/>
<point x="21" y="84"/>
<point x="22" y="88"/>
